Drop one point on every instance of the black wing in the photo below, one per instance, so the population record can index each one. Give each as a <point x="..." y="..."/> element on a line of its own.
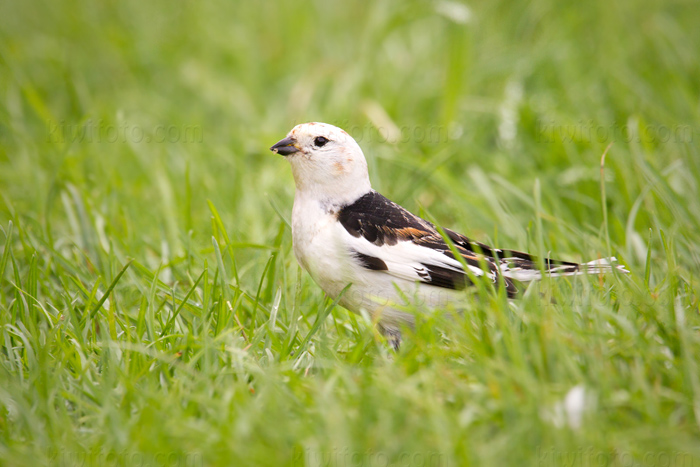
<point x="383" y="222"/>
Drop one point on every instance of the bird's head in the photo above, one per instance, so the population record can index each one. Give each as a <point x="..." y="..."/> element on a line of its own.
<point x="326" y="162"/>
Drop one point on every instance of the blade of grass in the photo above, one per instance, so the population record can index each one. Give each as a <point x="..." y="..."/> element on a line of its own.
<point x="109" y="290"/>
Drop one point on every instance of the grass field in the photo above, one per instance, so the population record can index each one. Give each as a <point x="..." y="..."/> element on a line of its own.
<point x="151" y="309"/>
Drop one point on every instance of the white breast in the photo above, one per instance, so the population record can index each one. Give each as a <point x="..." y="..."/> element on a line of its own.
<point x="317" y="246"/>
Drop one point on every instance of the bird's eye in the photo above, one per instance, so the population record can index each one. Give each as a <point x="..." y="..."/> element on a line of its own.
<point x="320" y="141"/>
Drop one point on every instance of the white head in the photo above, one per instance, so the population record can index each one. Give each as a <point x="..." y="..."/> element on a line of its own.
<point x="326" y="162"/>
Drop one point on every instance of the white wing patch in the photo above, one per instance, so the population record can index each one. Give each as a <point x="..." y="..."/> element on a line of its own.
<point x="406" y="260"/>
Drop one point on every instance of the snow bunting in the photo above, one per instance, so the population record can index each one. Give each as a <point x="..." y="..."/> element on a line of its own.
<point x="344" y="233"/>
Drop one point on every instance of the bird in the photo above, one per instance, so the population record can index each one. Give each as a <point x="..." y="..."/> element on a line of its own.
<point x="371" y="254"/>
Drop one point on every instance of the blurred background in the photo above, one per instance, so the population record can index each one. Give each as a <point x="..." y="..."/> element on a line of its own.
<point x="140" y="130"/>
<point x="459" y="107"/>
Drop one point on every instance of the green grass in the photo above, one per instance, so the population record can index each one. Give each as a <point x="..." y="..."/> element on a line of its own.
<point x="152" y="311"/>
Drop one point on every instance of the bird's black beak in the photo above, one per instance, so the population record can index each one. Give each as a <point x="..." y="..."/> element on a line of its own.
<point x="285" y="147"/>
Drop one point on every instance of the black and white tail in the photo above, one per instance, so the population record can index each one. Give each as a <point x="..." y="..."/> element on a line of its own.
<point x="526" y="270"/>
